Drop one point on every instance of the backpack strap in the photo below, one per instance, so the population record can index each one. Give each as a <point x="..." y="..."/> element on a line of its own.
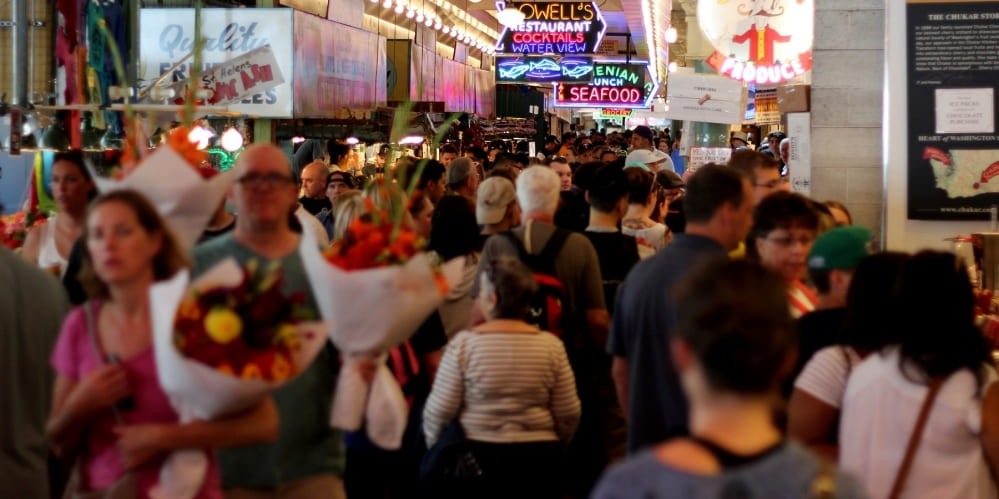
<point x="915" y="438"/>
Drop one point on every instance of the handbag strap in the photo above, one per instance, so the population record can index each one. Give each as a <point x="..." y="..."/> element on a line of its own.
<point x="95" y="344"/>
<point x="917" y="435"/>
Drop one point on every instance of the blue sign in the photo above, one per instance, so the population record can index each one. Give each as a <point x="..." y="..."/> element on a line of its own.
<point x="577" y="69"/>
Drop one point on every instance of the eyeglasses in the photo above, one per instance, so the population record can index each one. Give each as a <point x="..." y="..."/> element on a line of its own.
<point x="787" y="241"/>
<point x="269" y="180"/>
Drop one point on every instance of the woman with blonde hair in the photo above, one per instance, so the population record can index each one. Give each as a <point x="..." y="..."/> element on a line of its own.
<point x="107" y="401"/>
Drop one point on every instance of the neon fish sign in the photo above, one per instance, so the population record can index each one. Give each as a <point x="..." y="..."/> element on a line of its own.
<point x="554" y="28"/>
<point x="615" y="84"/>
<point x="544" y="69"/>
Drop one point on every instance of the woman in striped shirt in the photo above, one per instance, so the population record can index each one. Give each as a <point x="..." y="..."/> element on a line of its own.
<point x="510" y="387"/>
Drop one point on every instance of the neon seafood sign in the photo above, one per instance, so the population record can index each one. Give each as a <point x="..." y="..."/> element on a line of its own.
<point x="554" y="28"/>
<point x="615" y="84"/>
<point x="759" y="41"/>
<point x="544" y="69"/>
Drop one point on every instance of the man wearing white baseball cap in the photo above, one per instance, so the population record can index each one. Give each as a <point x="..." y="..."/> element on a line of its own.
<point x="652" y="160"/>
<point x="496" y="208"/>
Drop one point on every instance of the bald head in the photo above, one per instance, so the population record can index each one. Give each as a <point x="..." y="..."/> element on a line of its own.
<point x="263" y="153"/>
<point x="314" y="180"/>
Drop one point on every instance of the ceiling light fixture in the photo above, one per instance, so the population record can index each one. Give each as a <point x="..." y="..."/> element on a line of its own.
<point x="508" y="16"/>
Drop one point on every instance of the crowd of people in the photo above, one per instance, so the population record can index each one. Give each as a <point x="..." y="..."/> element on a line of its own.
<point x="620" y="329"/>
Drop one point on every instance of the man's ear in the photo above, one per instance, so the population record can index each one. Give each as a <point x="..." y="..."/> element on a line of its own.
<point x="683" y="356"/>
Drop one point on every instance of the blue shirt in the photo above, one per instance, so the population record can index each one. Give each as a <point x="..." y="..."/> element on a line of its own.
<point x="641" y="326"/>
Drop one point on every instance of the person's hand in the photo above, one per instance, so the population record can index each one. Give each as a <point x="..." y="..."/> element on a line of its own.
<point x="138" y="444"/>
<point x="100" y="388"/>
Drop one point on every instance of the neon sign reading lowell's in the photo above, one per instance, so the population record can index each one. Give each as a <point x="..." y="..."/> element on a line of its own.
<point x="554" y="28"/>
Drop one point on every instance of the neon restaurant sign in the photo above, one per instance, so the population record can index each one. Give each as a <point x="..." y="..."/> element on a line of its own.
<point x="615" y="84"/>
<point x="554" y="28"/>
<point x="544" y="69"/>
<point x="759" y="41"/>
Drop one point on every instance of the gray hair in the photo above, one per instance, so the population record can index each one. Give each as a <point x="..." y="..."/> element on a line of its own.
<point x="538" y="190"/>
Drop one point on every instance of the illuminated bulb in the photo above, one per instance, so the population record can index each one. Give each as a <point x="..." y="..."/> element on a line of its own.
<point x="429" y="22"/>
<point x="672" y="67"/>
<point x="387" y="4"/>
<point x="297" y="140"/>
<point x="231" y="140"/>
<point x="352" y="141"/>
<point x="419" y="16"/>
<point x="445" y="30"/>
<point x="399" y="9"/>
<point x="410" y="14"/>
<point x="437" y="25"/>
<point x="374" y="1"/>
<point x="200" y="137"/>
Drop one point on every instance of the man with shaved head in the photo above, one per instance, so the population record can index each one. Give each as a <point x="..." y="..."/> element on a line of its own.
<point x="308" y="458"/>
<point x="314" y="198"/>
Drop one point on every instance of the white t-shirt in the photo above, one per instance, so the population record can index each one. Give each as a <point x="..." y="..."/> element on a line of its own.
<point x="824" y="376"/>
<point x="879" y="412"/>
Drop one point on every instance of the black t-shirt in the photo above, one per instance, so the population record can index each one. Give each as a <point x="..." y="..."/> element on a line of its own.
<point x="676" y="220"/>
<point x="573" y="211"/>
<point x="617" y="253"/>
<point x="815" y="331"/>
<point x="213" y="233"/>
<point x="314" y="206"/>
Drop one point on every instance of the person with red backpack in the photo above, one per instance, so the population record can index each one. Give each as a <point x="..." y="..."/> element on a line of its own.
<point x="569" y="303"/>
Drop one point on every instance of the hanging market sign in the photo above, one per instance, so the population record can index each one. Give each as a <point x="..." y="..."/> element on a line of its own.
<point x="613" y="114"/>
<point x="544" y="69"/>
<point x="759" y="41"/>
<point x="615" y="84"/>
<point x="166" y="36"/>
<point x="554" y="28"/>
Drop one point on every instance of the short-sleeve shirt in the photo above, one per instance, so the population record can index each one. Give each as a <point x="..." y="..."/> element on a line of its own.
<point x="641" y="327"/>
<point x="74" y="357"/>
<point x="307" y="445"/>
<point x="576" y="267"/>
<point x="880" y="408"/>
<point x="825" y="375"/>
<point x="791" y="472"/>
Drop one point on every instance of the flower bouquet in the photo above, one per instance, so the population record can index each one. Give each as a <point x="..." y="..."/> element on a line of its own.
<point x="222" y="344"/>
<point x="14" y="228"/>
<point x="175" y="179"/>
<point x="376" y="286"/>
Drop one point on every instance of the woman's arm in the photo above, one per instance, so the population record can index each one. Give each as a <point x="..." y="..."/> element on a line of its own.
<point x="445" y="398"/>
<point x="74" y="403"/>
<point x="138" y="444"/>
<point x="813" y="423"/>
<point x="990" y="428"/>
<point x="32" y="243"/>
<point x="565" y="406"/>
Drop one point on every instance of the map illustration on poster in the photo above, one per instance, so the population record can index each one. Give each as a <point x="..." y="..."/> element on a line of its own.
<point x="953" y="148"/>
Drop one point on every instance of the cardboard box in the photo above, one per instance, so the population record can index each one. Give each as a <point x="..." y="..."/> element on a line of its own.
<point x="794" y="98"/>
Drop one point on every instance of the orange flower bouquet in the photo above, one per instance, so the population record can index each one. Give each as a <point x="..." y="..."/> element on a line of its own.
<point x="176" y="179"/>
<point x="377" y="286"/>
<point x="14" y="228"/>
<point x="222" y="344"/>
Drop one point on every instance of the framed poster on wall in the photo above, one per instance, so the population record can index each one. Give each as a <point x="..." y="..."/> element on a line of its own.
<point x="953" y="147"/>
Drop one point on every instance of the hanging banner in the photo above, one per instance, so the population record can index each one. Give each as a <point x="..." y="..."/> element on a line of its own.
<point x="615" y="84"/>
<point x="799" y="165"/>
<point x="767" y="112"/>
<point x="336" y="67"/>
<point x="953" y="147"/>
<point x="763" y="42"/>
<point x="705" y="98"/>
<point x="314" y="7"/>
<point x="399" y="70"/>
<point x="544" y="69"/>
<point x="166" y="36"/>
<point x="554" y="28"/>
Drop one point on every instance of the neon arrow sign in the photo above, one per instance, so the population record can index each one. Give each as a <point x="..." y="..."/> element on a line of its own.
<point x="616" y="84"/>
<point x="544" y="69"/>
<point x="554" y="28"/>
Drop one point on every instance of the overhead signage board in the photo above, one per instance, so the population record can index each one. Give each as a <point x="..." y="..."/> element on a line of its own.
<point x="762" y="42"/>
<point x="566" y="28"/>
<point x="705" y="98"/>
<point x="615" y="113"/>
<point x="544" y="69"/>
<point x="167" y="36"/>
<point x="615" y="84"/>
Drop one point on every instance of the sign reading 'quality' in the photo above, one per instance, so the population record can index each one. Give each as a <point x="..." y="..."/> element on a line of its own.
<point x="554" y="28"/>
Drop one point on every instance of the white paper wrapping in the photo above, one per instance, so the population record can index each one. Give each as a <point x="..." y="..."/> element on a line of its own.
<point x="179" y="193"/>
<point x="198" y="391"/>
<point x="371" y="312"/>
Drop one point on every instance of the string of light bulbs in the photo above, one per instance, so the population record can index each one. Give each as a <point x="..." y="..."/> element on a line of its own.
<point x="430" y="18"/>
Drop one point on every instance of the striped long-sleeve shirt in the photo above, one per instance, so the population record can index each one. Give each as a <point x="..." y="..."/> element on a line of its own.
<point x="505" y="387"/>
